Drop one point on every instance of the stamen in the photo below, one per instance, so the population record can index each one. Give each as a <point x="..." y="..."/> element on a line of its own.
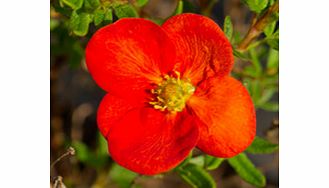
<point x="172" y="93"/>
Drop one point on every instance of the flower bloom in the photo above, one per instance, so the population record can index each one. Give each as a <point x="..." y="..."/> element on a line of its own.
<point x="168" y="91"/>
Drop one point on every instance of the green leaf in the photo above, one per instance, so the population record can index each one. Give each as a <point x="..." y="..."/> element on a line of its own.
<point x="247" y="83"/>
<point x="102" y="145"/>
<point x="255" y="61"/>
<point x="141" y="3"/>
<point x="109" y="15"/>
<point x="273" y="40"/>
<point x="99" y="16"/>
<point x="272" y="62"/>
<point x="274" y="43"/>
<point x="262" y="146"/>
<point x="88" y="157"/>
<point x="247" y="171"/>
<point x="76" y="53"/>
<point x="53" y="24"/>
<point x="196" y="176"/>
<point x="92" y="4"/>
<point x="228" y="27"/>
<point x="269" y="29"/>
<point x="271" y="2"/>
<point x="256" y="5"/>
<point x="266" y="96"/>
<point x="270" y="106"/>
<point x="273" y="17"/>
<point x="250" y="71"/>
<point x="122" y="177"/>
<point x="240" y="55"/>
<point x="74" y="4"/>
<point x="79" y="23"/>
<point x="256" y="89"/>
<point x="199" y="160"/>
<point x="187" y="160"/>
<point x="158" y="21"/>
<point x="125" y="11"/>
<point x="179" y="8"/>
<point x="237" y="38"/>
<point x="82" y="151"/>
<point x="212" y="163"/>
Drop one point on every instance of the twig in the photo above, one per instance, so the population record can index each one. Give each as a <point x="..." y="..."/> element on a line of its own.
<point x="58" y="182"/>
<point x="258" y="26"/>
<point x="69" y="152"/>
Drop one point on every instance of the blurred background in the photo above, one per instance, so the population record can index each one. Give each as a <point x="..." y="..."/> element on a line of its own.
<point x="75" y="98"/>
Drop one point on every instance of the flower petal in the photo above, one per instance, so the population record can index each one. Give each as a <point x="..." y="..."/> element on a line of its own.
<point x="202" y="47"/>
<point x="111" y="110"/>
<point x="124" y="58"/>
<point x="148" y="141"/>
<point x="227" y="116"/>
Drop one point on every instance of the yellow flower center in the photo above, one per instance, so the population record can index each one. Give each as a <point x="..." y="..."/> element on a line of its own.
<point x="172" y="93"/>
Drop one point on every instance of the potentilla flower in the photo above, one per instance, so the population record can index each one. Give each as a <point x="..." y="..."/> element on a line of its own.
<point x="169" y="90"/>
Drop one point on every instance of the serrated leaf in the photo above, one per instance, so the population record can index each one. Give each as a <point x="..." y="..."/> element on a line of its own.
<point x="246" y="170"/>
<point x="91" y="4"/>
<point x="196" y="176"/>
<point x="212" y="163"/>
<point x="256" y="5"/>
<point x="125" y="11"/>
<point x="261" y="146"/>
<point x="99" y="16"/>
<point x="74" y="4"/>
<point x="79" y="23"/>
<point x="141" y="3"/>
<point x="122" y="177"/>
<point x="199" y="160"/>
<point x="269" y="29"/>
<point x="270" y="106"/>
<point x="179" y="8"/>
<point x="228" y="27"/>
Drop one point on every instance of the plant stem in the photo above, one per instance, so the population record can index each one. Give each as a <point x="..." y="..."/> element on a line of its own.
<point x="69" y="151"/>
<point x="258" y="26"/>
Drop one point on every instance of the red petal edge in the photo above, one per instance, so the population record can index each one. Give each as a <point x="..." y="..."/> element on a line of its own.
<point x="202" y="48"/>
<point x="146" y="140"/>
<point x="124" y="58"/>
<point x="111" y="110"/>
<point x="227" y="117"/>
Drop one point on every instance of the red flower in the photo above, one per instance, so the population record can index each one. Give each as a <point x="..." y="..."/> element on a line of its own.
<point x="169" y="90"/>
